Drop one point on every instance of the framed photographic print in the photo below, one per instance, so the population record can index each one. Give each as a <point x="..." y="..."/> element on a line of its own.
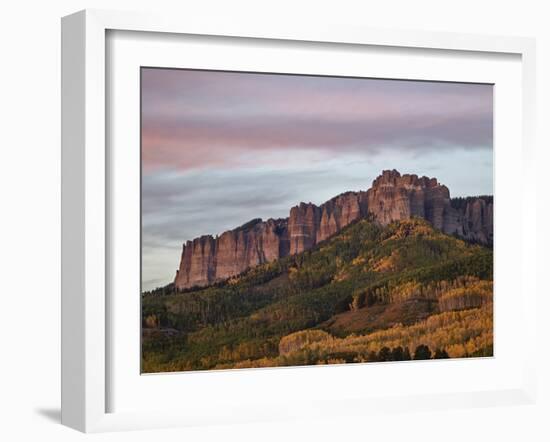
<point x="391" y="272"/>
<point x="268" y="223"/>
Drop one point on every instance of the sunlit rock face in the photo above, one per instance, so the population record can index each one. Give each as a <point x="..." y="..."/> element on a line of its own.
<point x="209" y="259"/>
<point x="392" y="197"/>
<point x="303" y="223"/>
<point x="309" y="224"/>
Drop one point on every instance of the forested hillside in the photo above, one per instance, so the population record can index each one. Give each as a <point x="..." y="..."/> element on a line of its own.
<point x="369" y="293"/>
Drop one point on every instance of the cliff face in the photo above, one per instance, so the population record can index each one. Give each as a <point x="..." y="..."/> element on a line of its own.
<point x="476" y="219"/>
<point x="309" y="224"/>
<point x="392" y="197"/>
<point x="208" y="259"/>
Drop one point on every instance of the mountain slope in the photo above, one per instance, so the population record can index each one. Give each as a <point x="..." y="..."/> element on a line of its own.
<point x="365" y="279"/>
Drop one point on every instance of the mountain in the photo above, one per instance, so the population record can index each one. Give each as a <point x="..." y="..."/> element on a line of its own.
<point x="373" y="291"/>
<point x="392" y="197"/>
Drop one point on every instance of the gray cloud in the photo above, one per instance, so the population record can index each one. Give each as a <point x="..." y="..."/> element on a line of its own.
<point x="189" y="205"/>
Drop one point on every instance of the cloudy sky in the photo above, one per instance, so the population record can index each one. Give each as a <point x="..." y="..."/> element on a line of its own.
<point x="221" y="148"/>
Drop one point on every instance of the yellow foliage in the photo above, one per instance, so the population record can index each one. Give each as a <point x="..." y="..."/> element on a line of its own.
<point x="340" y="276"/>
<point x="301" y="339"/>
<point x="459" y="333"/>
<point x="474" y="294"/>
<point x="411" y="226"/>
<point x="386" y="264"/>
<point x="234" y="280"/>
<point x="152" y="321"/>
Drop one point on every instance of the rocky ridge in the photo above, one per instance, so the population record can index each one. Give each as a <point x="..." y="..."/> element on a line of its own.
<point x="392" y="197"/>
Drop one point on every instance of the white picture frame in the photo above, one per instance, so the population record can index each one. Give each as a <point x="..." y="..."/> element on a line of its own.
<point x="86" y="207"/>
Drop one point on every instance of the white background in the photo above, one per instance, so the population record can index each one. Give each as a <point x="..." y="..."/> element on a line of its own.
<point x="29" y="222"/>
<point x="301" y="386"/>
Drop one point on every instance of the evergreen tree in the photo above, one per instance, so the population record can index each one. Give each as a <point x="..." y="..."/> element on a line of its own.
<point x="372" y="357"/>
<point x="422" y="352"/>
<point x="384" y="354"/>
<point x="440" y="354"/>
<point x="397" y="354"/>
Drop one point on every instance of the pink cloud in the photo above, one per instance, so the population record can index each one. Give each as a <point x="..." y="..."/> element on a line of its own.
<point x="194" y="119"/>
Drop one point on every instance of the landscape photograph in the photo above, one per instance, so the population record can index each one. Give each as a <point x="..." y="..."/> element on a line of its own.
<point x="301" y="220"/>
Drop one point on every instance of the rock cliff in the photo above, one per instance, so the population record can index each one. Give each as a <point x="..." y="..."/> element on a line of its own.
<point x="392" y="197"/>
<point x="208" y="259"/>
<point x="309" y="224"/>
<point x="475" y="218"/>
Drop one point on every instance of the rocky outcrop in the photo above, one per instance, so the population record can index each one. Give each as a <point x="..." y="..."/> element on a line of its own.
<point x="392" y="197"/>
<point x="475" y="218"/>
<point x="309" y="224"/>
<point x="209" y="259"/>
<point x="303" y="224"/>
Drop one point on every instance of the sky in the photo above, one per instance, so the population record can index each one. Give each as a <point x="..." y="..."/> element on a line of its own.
<point x="221" y="148"/>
